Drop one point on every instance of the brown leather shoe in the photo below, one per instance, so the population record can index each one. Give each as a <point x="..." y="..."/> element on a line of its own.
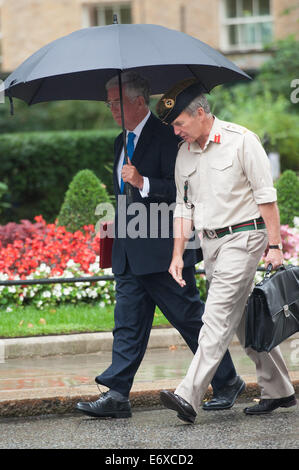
<point x="175" y="402"/>
<point x="267" y="405"/>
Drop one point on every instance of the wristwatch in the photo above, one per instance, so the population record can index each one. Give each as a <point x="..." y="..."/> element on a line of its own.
<point x="275" y="247"/>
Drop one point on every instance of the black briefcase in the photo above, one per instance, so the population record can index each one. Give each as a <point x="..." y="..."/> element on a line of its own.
<point x="272" y="310"/>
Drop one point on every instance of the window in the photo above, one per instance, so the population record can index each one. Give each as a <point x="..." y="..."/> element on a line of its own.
<point x="247" y="24"/>
<point x="102" y="14"/>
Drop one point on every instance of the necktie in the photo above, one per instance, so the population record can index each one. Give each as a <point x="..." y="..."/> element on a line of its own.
<point x="130" y="150"/>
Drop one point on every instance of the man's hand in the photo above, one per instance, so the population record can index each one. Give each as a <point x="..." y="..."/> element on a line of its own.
<point x="270" y="214"/>
<point x="274" y="257"/>
<point x="131" y="175"/>
<point x="176" y="268"/>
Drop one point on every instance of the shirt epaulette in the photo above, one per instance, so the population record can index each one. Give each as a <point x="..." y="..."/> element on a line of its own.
<point x="235" y="128"/>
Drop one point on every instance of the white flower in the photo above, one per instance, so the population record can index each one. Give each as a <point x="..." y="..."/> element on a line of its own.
<point x="67" y="273"/>
<point x="94" y="268"/>
<point x="67" y="290"/>
<point x="92" y="293"/>
<point x="43" y="268"/>
<point x="107" y="271"/>
<point x="12" y="289"/>
<point x="9" y="309"/>
<point x="102" y="304"/>
<point x="46" y="294"/>
<point x="296" y="222"/>
<point x="71" y="263"/>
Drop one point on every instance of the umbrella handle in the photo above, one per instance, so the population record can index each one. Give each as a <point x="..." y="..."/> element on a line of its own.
<point x="128" y="187"/>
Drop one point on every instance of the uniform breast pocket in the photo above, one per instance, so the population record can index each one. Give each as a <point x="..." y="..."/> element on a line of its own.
<point x="188" y="170"/>
<point x="221" y="173"/>
<point x="221" y="164"/>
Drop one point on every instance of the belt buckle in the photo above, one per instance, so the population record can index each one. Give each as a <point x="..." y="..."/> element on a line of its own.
<point x="211" y="234"/>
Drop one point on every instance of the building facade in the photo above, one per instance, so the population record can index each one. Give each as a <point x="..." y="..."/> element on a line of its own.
<point x="237" y="28"/>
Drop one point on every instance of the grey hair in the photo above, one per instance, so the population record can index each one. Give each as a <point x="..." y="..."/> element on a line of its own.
<point x="199" y="102"/>
<point x="134" y="85"/>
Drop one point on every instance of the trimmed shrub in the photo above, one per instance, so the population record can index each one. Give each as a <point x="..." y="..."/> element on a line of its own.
<point x="85" y="192"/>
<point x="288" y="197"/>
<point x="3" y="191"/>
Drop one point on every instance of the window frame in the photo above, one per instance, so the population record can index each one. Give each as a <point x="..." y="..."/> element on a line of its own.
<point x="99" y="10"/>
<point x="239" y="21"/>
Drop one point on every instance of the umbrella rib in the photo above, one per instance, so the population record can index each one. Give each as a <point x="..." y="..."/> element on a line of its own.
<point x="36" y="91"/>
<point x="203" y="84"/>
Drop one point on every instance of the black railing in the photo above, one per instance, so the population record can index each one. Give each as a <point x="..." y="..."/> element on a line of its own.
<point x="62" y="280"/>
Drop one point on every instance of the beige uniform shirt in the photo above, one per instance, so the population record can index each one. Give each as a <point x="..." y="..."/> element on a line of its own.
<point x="226" y="180"/>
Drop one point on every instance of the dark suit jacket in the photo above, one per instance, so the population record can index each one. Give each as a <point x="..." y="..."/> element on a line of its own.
<point x="151" y="251"/>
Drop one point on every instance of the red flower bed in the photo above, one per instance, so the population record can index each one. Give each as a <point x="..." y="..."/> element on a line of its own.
<point x="23" y="247"/>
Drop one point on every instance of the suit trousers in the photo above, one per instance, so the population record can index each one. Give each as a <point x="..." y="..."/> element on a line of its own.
<point x="136" y="300"/>
<point x="230" y="264"/>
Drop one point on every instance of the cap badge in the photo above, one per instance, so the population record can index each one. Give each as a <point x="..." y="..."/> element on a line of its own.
<point x="168" y="103"/>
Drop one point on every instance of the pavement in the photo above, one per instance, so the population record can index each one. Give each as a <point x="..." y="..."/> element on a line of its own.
<point x="49" y="375"/>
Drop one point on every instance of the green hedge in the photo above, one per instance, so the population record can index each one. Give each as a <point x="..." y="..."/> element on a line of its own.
<point x="38" y="168"/>
<point x="288" y="197"/>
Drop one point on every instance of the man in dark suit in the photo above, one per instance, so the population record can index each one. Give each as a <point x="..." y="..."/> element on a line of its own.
<point x="142" y="252"/>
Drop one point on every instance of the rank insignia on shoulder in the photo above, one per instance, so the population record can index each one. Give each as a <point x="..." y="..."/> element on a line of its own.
<point x="236" y="128"/>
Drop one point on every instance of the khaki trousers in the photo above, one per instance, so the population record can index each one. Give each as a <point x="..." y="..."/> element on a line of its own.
<point x="230" y="265"/>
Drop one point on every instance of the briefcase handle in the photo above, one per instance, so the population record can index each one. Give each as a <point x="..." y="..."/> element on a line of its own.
<point x="269" y="269"/>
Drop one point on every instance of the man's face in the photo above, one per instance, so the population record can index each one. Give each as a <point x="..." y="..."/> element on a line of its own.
<point x="188" y="127"/>
<point x="130" y="105"/>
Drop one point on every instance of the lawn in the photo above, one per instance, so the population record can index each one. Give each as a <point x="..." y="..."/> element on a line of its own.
<point x="64" y="319"/>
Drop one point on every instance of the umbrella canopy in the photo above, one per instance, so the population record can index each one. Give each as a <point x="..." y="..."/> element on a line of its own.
<point x="77" y="66"/>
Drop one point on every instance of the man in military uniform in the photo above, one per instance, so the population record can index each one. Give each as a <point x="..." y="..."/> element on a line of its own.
<point x="140" y="264"/>
<point x="225" y="189"/>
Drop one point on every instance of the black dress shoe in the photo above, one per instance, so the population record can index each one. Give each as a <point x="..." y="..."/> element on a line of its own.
<point x="266" y="405"/>
<point x="226" y="397"/>
<point x="106" y="407"/>
<point x="175" y="402"/>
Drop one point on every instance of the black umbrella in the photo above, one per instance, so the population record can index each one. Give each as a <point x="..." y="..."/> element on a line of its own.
<point x="77" y="66"/>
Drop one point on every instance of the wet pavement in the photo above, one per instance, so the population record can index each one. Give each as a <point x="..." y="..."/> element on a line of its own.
<point x="38" y="397"/>
<point x="155" y="429"/>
